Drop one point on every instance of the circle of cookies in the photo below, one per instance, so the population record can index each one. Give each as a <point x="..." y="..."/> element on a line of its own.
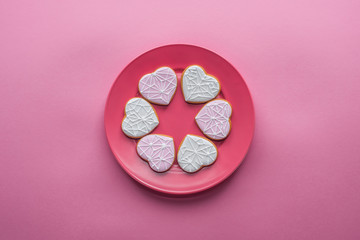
<point x="213" y="119"/>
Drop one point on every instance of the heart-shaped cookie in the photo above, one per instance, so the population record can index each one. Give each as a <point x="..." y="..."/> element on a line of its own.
<point x="140" y="118"/>
<point x="214" y="119"/>
<point x="196" y="152"/>
<point x="197" y="86"/>
<point x="158" y="151"/>
<point x="159" y="87"/>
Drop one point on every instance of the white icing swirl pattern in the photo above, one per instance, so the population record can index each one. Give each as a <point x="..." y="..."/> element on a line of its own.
<point x="196" y="152"/>
<point x="214" y="119"/>
<point x="158" y="150"/>
<point x="197" y="86"/>
<point x="159" y="87"/>
<point x="140" y="118"/>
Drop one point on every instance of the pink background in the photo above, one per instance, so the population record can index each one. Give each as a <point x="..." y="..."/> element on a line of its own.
<point x="300" y="59"/>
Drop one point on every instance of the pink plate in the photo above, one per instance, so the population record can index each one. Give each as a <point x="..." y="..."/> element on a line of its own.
<point x="178" y="119"/>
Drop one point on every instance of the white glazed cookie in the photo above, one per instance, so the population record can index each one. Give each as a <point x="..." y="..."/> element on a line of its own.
<point x="159" y="87"/>
<point x="196" y="152"/>
<point x="197" y="86"/>
<point x="140" y="118"/>
<point x="158" y="150"/>
<point x="214" y="119"/>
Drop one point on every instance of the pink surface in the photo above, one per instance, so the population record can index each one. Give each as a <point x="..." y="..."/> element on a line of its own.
<point x="178" y="119"/>
<point x="59" y="179"/>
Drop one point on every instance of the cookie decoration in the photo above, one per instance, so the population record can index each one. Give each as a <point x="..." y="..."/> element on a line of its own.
<point x="214" y="119"/>
<point x="159" y="87"/>
<point x="158" y="150"/>
<point x="197" y="86"/>
<point x="140" y="118"/>
<point x="195" y="152"/>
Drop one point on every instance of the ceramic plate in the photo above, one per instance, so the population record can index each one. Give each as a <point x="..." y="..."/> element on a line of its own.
<point x="177" y="119"/>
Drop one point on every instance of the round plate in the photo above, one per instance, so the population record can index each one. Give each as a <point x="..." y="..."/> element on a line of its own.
<point x="178" y="119"/>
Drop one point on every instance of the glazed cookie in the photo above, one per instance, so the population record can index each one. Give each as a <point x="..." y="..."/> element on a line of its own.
<point x="197" y="86"/>
<point x="159" y="87"/>
<point x="196" y="152"/>
<point x="140" y="118"/>
<point x="214" y="119"/>
<point x="158" y="150"/>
